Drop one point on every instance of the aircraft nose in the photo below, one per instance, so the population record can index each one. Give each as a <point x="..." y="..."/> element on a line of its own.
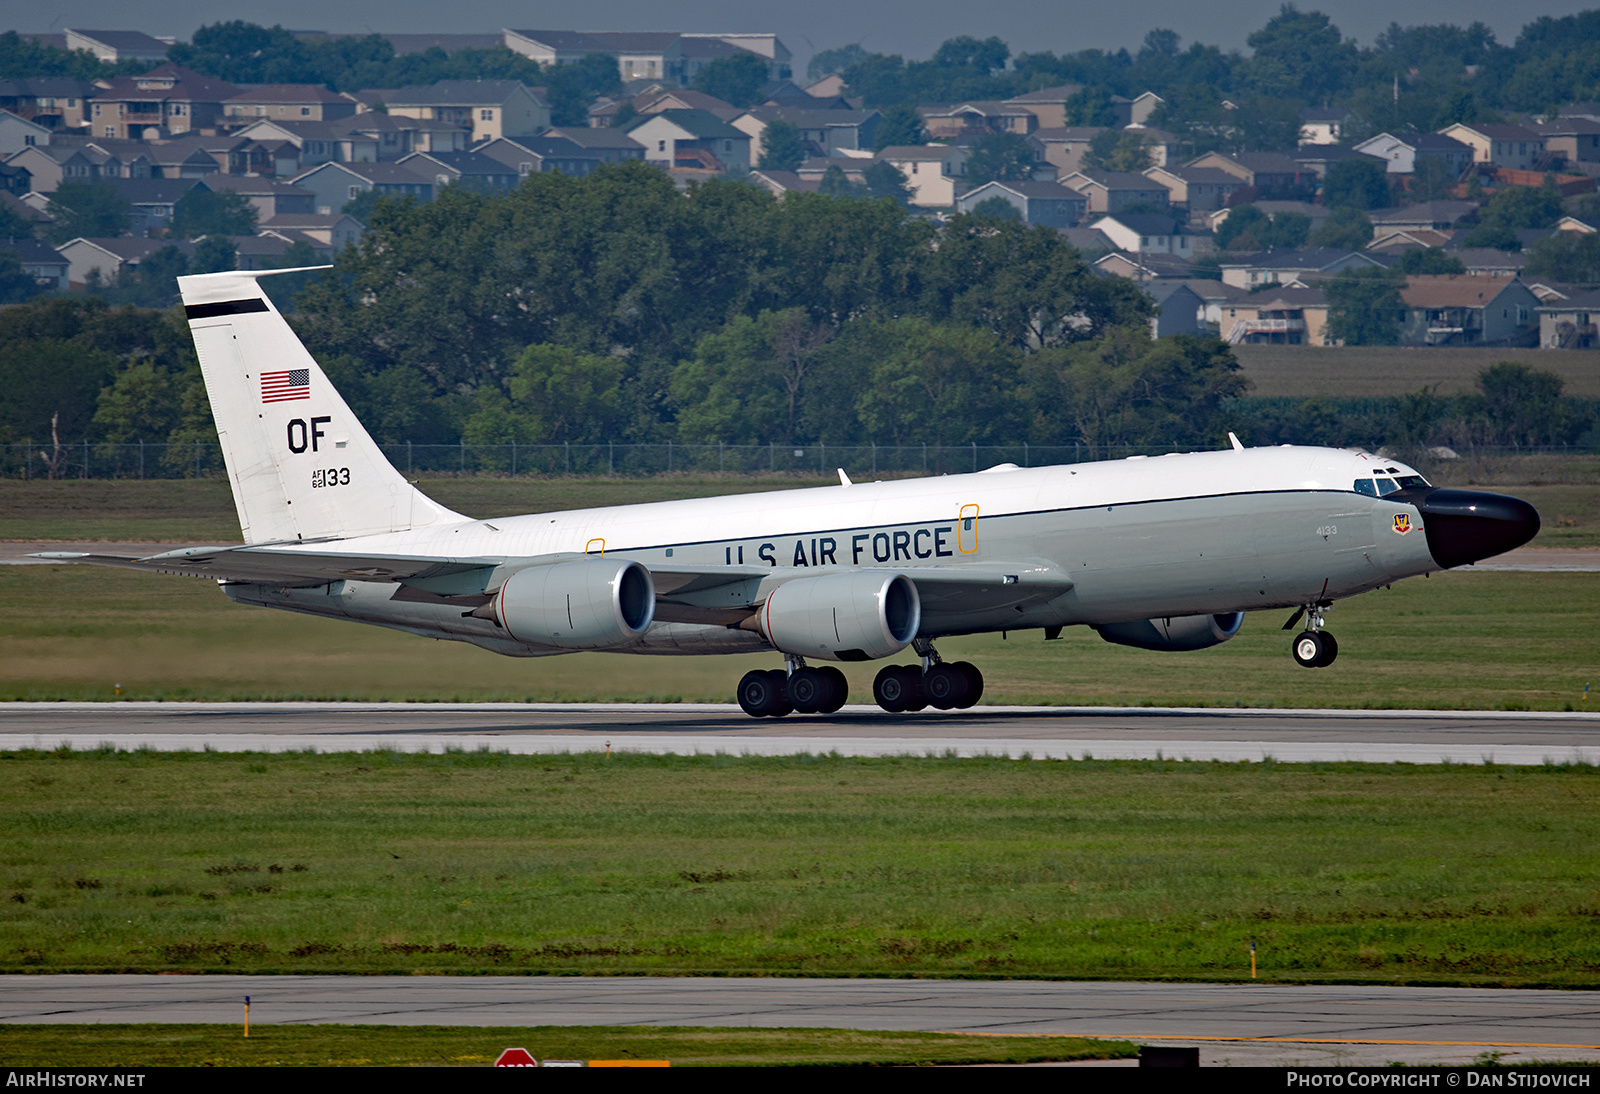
<point x="1467" y="525"/>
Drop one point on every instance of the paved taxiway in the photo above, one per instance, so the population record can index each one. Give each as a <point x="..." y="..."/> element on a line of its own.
<point x="1057" y="733"/>
<point x="1239" y="1024"/>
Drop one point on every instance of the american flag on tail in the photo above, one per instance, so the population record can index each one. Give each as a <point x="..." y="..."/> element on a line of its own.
<point x="281" y="387"/>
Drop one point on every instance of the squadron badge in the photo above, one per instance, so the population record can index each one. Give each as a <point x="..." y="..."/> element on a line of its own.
<point x="1402" y="523"/>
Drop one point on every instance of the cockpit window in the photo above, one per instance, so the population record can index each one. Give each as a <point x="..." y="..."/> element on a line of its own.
<point x="1386" y="486"/>
<point x="1364" y="486"/>
<point x="1408" y="481"/>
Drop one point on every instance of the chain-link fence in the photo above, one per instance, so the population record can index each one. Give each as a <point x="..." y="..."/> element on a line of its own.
<point x="89" y="460"/>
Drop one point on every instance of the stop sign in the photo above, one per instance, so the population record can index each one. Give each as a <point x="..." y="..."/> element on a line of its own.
<point x="516" y="1057"/>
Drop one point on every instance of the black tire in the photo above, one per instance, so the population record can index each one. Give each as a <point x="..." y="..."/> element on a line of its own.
<point x="945" y="686"/>
<point x="974" y="683"/>
<point x="838" y="689"/>
<point x="889" y="689"/>
<point x="1330" y="650"/>
<point x="780" y="687"/>
<point x="1307" y="649"/>
<point x="755" y="693"/>
<point x="809" y="690"/>
<point x="916" y="695"/>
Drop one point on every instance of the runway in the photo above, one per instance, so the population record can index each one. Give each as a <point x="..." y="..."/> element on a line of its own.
<point x="1466" y="737"/>
<point x="1233" y="1024"/>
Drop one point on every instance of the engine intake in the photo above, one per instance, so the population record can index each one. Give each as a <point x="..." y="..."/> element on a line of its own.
<point x="585" y="604"/>
<point x="857" y="616"/>
<point x="1178" y="632"/>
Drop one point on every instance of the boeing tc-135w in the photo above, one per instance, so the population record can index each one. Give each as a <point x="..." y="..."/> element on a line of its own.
<point x="1162" y="553"/>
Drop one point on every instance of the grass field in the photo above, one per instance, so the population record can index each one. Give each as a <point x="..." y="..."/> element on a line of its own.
<point x="1386" y="371"/>
<point x="153" y="1045"/>
<point x="479" y="862"/>
<point x="1456" y="640"/>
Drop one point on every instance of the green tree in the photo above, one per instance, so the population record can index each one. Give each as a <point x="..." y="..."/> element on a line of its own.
<point x="90" y="210"/>
<point x="1364" y="307"/>
<point x="1125" y="388"/>
<point x="999" y="156"/>
<point x="750" y="382"/>
<point x="935" y="384"/>
<point x="885" y="180"/>
<point x="1566" y="256"/>
<point x="203" y="212"/>
<point x="900" y="125"/>
<point x="782" y="148"/>
<point x="1301" y="55"/>
<point x="1523" y="405"/>
<point x="830" y="61"/>
<point x="14" y="225"/>
<point x="1428" y="260"/>
<point x="996" y="208"/>
<point x="1346" y="228"/>
<point x="1356" y="184"/>
<point x="1119" y="150"/>
<point x="214" y="253"/>
<point x="1512" y="209"/>
<point x="15" y="286"/>
<point x="571" y="88"/>
<point x="736" y="80"/>
<point x="836" y="184"/>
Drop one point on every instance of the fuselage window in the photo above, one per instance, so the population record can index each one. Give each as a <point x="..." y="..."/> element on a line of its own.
<point x="1364" y="486"/>
<point x="1386" y="486"/>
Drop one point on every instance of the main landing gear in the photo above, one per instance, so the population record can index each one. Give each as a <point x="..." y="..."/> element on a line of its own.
<point x="773" y="693"/>
<point x="1312" y="648"/>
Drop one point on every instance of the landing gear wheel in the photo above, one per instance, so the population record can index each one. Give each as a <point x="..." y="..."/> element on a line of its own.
<point x="762" y="694"/>
<point x="810" y="690"/>
<point x="838" y="689"/>
<point x="974" y="679"/>
<point x="1310" y="648"/>
<point x="780" y="687"/>
<point x="953" y="685"/>
<point x="1330" y="650"/>
<point x="898" y="688"/>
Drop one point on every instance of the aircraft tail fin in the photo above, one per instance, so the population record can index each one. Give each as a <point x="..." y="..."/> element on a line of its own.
<point x="301" y="466"/>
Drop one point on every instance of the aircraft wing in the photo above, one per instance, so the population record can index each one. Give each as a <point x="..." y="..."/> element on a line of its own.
<point x="723" y="595"/>
<point x="269" y="566"/>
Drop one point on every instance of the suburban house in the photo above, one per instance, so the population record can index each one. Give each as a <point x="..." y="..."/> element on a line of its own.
<point x="151" y="202"/>
<point x="1467" y="310"/>
<point x="290" y="102"/>
<point x="55" y="102"/>
<point x="1283" y="267"/>
<point x="164" y="101"/>
<point x="936" y="173"/>
<point x="19" y="133"/>
<point x="1064" y="147"/>
<point x="1436" y="216"/>
<point x="1290" y="316"/>
<point x="1044" y="203"/>
<point x="1513" y="146"/>
<point x="334" y="185"/>
<point x="40" y="261"/>
<point x="1048" y="104"/>
<point x="692" y="139"/>
<point x="269" y="197"/>
<point x="469" y="170"/>
<point x="1400" y="154"/>
<point x="108" y="256"/>
<point x="1323" y="124"/>
<point x="608" y="145"/>
<point x="1570" y="323"/>
<point x="1574" y="140"/>
<point x="1178" y="309"/>
<point x="954" y="121"/>
<point x="1272" y="174"/>
<point x="1109" y="191"/>
<point x="1197" y="189"/>
<point x="827" y="131"/>
<point x="119" y="45"/>
<point x="328" y="233"/>
<point x="488" y="108"/>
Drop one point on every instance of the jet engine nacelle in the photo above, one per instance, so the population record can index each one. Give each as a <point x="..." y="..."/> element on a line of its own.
<point x="585" y="604"/>
<point x="842" y="617"/>
<point x="1179" y="632"/>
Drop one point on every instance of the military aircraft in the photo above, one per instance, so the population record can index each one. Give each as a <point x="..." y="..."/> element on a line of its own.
<point x="1161" y="553"/>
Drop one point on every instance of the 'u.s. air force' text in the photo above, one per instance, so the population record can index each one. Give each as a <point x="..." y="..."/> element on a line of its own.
<point x="896" y="545"/>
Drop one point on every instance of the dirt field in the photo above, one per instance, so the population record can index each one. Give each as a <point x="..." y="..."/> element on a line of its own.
<point x="1382" y="371"/>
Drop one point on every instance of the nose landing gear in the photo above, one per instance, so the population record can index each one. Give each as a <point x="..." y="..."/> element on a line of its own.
<point x="1312" y="648"/>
